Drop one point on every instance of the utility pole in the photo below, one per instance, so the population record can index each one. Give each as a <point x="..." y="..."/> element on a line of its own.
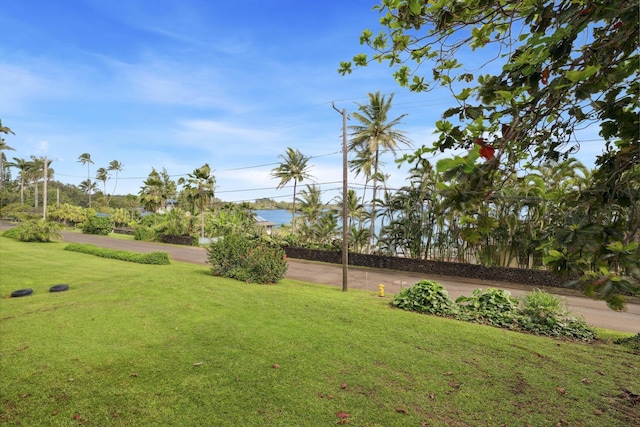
<point x="345" y="195"/>
<point x="44" y="191"/>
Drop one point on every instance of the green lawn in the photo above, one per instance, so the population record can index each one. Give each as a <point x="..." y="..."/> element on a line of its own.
<point x="141" y="345"/>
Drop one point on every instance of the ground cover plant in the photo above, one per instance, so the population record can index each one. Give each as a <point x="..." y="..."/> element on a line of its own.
<point x="539" y="312"/>
<point x="133" y="344"/>
<point x="157" y="258"/>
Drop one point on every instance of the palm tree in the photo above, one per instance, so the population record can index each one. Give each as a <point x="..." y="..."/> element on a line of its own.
<point x="36" y="171"/>
<point x="355" y="209"/>
<point x="363" y="164"/>
<point x="199" y="188"/>
<point x="152" y="194"/>
<point x="22" y="165"/>
<point x="376" y="134"/>
<point x="294" y="167"/>
<point x="115" y="166"/>
<point x="311" y="205"/>
<point x="102" y="174"/>
<point x="3" y="146"/>
<point x="85" y="159"/>
<point x="88" y="187"/>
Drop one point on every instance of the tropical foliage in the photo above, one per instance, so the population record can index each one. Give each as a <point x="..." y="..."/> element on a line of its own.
<point x="376" y="133"/>
<point x="35" y="230"/>
<point x="101" y="225"/>
<point x="557" y="68"/>
<point x="293" y="167"/>
<point x="537" y="312"/>
<point x="199" y="190"/>
<point x="247" y="259"/>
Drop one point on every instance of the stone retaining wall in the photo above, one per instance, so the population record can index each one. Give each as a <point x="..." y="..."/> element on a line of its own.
<point x="473" y="271"/>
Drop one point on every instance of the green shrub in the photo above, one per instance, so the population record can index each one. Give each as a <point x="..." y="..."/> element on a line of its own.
<point x="239" y="257"/>
<point x="144" y="233"/>
<point x="17" y="212"/>
<point x="35" y="231"/>
<point x="11" y="233"/>
<point x="494" y="306"/>
<point x="70" y="214"/>
<point x="426" y="296"/>
<point x="545" y="314"/>
<point x="97" y="225"/>
<point x="156" y="258"/>
<point x="265" y="264"/>
<point x="540" y="313"/>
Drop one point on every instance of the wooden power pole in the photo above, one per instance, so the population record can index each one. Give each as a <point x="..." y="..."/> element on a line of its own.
<point x="345" y="196"/>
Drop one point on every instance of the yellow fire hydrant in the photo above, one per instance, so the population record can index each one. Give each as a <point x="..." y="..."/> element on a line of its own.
<point x="380" y="290"/>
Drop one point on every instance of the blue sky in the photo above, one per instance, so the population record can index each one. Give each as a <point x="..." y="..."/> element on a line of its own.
<point x="176" y="84"/>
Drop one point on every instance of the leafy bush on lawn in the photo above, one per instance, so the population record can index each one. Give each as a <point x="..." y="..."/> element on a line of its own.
<point x="426" y="296"/>
<point x="544" y="314"/>
<point x="494" y="307"/>
<point x="156" y="258"/>
<point x="144" y="233"/>
<point x="35" y="231"/>
<point x="243" y="258"/>
<point x="100" y="225"/>
<point x="538" y="312"/>
<point x="11" y="233"/>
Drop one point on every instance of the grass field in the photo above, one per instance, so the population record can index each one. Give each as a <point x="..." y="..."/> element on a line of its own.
<point x="140" y="345"/>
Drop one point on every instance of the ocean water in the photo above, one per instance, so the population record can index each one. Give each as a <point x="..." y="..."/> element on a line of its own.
<point x="283" y="216"/>
<point x="279" y="216"/>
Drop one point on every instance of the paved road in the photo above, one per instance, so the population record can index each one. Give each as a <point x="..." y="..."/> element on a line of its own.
<point x="596" y="313"/>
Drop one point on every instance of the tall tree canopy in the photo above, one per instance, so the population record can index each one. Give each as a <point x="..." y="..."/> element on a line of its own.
<point x="293" y="167"/>
<point x="3" y="146"/>
<point x="199" y="188"/>
<point x="85" y="159"/>
<point x="550" y="69"/>
<point x="375" y="133"/>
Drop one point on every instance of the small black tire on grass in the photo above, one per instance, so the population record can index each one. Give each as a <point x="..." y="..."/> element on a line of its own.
<point x="59" y="288"/>
<point x="21" y="293"/>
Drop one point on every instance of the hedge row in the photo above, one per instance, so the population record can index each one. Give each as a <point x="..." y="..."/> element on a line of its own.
<point x="157" y="258"/>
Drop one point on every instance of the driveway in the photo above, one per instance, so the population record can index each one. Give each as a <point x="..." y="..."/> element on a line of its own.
<point x="596" y="313"/>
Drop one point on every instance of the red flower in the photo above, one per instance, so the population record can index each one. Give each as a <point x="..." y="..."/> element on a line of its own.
<point x="545" y="75"/>
<point x="486" y="151"/>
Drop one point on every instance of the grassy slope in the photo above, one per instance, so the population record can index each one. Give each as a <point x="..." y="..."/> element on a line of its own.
<point x="119" y="348"/>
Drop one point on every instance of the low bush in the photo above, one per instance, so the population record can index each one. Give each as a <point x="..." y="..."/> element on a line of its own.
<point x="11" y="233"/>
<point x="144" y="233"/>
<point x="494" y="307"/>
<point x="156" y="258"/>
<point x="247" y="259"/>
<point x="426" y="296"/>
<point x="35" y="231"/>
<point x="542" y="313"/>
<point x="100" y="225"/>
<point x="538" y="312"/>
<point x="17" y="212"/>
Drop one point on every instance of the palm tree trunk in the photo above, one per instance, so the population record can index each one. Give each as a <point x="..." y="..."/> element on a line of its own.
<point x="21" y="189"/>
<point x="293" y="214"/>
<point x="202" y="222"/>
<point x="372" y="226"/>
<point x="89" y="181"/>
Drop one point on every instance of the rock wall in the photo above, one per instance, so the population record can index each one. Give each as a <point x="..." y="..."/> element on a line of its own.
<point x="499" y="274"/>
